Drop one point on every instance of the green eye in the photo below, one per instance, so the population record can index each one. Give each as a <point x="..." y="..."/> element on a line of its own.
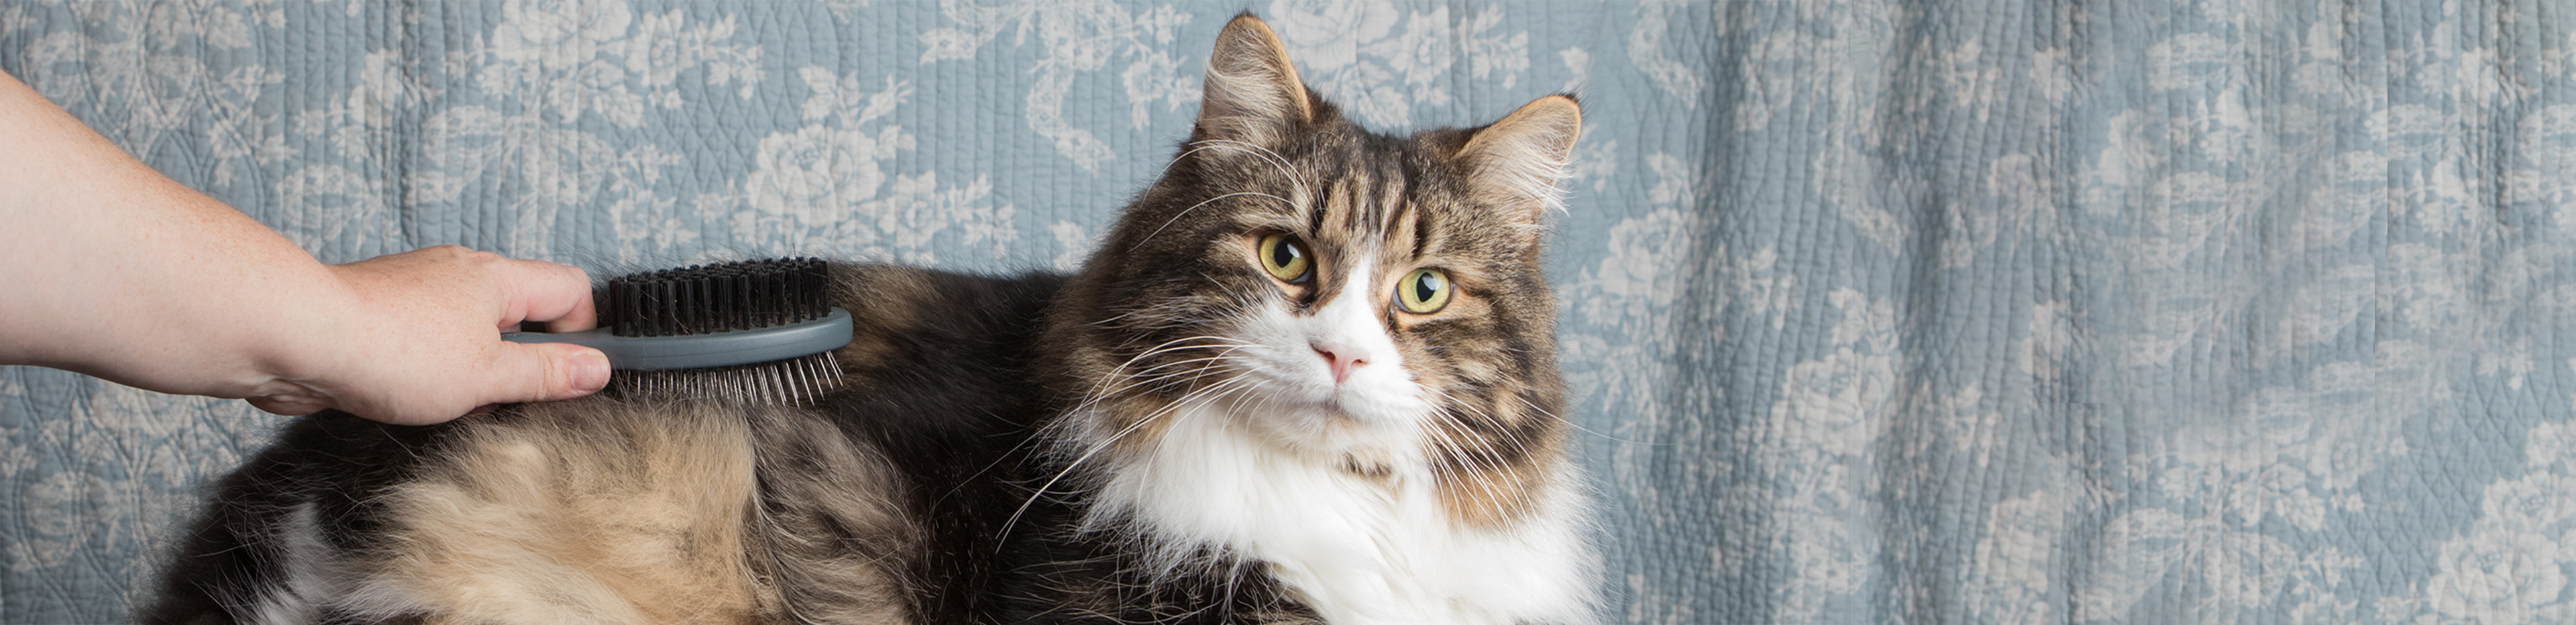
<point x="1423" y="292"/>
<point x="1285" y="258"/>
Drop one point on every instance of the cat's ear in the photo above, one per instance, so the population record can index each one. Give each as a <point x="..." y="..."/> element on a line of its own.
<point x="1252" y="93"/>
<point x="1515" y="164"/>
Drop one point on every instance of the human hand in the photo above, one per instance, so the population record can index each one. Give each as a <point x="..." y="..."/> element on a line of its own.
<point x="118" y="272"/>
<point x="420" y="339"/>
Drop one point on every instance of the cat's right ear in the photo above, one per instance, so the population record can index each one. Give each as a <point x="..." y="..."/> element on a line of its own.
<point x="1252" y="93"/>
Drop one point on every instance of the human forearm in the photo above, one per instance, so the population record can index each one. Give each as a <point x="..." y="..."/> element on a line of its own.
<point x="121" y="272"/>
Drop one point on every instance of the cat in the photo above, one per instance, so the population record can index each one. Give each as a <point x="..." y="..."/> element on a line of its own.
<point x="1308" y="377"/>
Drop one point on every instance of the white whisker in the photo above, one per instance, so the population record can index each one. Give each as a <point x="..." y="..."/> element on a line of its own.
<point x="1577" y="426"/>
<point x="1096" y="449"/>
<point x="1167" y="223"/>
<point x="1266" y="154"/>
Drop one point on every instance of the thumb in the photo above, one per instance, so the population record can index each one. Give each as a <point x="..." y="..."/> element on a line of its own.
<point x="546" y="372"/>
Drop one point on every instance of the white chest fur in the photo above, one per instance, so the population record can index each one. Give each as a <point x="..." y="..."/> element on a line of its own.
<point x="1359" y="549"/>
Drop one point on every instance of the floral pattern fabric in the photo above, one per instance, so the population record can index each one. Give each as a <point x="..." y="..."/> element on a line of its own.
<point x="1981" y="311"/>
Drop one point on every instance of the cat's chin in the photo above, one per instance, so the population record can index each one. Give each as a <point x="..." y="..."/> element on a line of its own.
<point x="1332" y="427"/>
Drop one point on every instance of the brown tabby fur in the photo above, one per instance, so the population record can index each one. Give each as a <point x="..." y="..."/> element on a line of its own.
<point x="1172" y="263"/>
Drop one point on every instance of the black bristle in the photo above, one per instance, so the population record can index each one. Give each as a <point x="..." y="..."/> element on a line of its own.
<point x="661" y="308"/>
<point x="719" y="297"/>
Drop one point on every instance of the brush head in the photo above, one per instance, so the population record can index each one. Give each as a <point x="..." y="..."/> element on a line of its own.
<point x="720" y="298"/>
<point x="757" y="331"/>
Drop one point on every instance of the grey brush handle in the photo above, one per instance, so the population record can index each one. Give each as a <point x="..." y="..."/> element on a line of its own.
<point x="698" y="351"/>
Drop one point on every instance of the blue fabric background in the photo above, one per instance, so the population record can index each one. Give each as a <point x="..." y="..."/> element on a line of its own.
<point x="1969" y="311"/>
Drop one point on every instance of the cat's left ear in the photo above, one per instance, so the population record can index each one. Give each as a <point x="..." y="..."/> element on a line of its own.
<point x="1514" y="164"/>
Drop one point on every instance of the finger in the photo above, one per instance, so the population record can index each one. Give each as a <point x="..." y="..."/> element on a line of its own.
<point x="554" y="293"/>
<point x="525" y="372"/>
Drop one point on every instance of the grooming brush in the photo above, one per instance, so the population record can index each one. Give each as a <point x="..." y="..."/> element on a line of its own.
<point x="756" y="331"/>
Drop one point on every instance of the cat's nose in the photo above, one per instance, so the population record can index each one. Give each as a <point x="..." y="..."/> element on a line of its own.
<point x="1341" y="357"/>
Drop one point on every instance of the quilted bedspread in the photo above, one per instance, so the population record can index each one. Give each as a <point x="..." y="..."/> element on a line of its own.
<point x="1980" y="311"/>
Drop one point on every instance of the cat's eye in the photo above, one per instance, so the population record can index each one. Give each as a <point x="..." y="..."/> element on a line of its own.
<point x="1424" y="291"/>
<point x="1286" y="258"/>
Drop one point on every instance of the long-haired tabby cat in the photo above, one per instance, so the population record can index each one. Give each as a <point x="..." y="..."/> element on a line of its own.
<point x="1308" y="377"/>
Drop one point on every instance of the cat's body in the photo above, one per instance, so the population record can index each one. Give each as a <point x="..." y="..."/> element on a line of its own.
<point x="1308" y="377"/>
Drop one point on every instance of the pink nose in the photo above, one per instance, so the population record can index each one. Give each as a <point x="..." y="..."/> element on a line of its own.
<point x="1342" y="358"/>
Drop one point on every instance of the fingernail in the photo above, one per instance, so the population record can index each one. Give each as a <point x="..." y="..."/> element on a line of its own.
<point x="589" y="371"/>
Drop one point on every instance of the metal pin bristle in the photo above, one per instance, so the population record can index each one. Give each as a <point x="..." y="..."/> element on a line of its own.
<point x="792" y="382"/>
